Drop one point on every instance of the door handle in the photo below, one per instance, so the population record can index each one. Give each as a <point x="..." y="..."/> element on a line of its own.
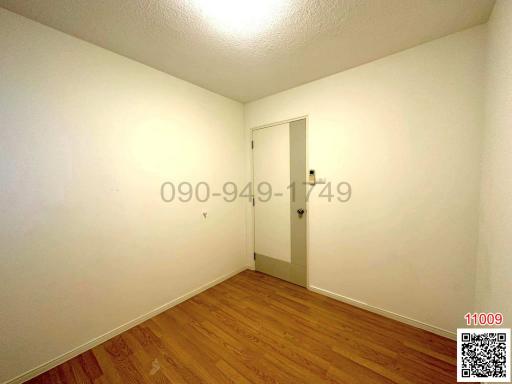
<point x="300" y="212"/>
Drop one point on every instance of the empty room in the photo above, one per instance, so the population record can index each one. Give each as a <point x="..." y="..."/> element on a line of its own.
<point x="255" y="191"/>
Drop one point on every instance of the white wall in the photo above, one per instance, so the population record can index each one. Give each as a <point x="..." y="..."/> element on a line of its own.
<point x="405" y="131"/>
<point x="494" y="288"/>
<point x="86" y="139"/>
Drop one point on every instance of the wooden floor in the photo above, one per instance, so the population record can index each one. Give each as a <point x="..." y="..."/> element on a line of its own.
<point x="257" y="329"/>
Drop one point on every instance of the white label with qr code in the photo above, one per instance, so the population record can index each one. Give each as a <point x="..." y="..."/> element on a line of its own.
<point x="483" y="354"/>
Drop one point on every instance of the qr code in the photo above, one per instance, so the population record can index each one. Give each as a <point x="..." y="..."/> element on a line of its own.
<point x="483" y="354"/>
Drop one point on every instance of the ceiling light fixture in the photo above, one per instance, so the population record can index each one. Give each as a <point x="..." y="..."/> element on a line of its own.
<point x="241" y="18"/>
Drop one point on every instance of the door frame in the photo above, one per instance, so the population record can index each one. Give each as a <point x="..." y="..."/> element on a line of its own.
<point x="252" y="230"/>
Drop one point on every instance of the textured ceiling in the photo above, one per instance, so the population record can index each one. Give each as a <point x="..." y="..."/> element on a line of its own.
<point x="305" y="40"/>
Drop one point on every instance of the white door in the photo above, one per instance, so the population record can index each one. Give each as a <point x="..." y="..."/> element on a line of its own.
<point x="279" y="176"/>
<point x="271" y="148"/>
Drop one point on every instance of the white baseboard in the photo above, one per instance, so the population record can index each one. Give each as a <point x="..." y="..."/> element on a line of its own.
<point x="386" y="313"/>
<point x="116" y="331"/>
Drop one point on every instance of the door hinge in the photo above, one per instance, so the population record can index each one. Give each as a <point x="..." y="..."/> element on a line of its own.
<point x="252" y="144"/>
<point x="253" y="201"/>
<point x="254" y="256"/>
